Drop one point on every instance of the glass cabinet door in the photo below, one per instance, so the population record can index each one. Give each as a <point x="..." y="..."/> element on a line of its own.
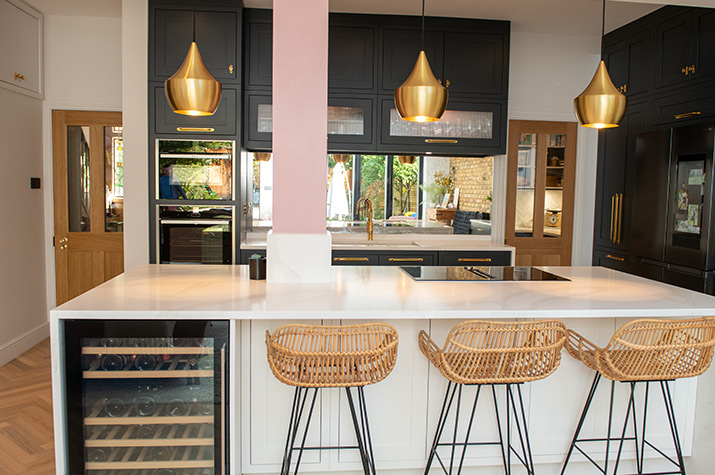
<point x="146" y="397"/>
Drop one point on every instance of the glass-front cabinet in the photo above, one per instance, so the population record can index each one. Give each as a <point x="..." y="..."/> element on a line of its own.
<point x="146" y="397"/>
<point x="540" y="191"/>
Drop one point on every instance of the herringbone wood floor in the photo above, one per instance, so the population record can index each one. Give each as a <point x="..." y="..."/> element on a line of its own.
<point x="26" y="445"/>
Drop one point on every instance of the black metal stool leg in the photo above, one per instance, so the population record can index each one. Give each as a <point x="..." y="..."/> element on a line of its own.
<point x="501" y="438"/>
<point x="307" y="426"/>
<point x="668" y="400"/>
<point x="440" y="424"/>
<point x="367" y="438"/>
<point x="525" y="444"/>
<point x="358" y="433"/>
<point x="631" y="407"/>
<point x="469" y="429"/>
<point x="579" y="426"/>
<point x="456" y="425"/>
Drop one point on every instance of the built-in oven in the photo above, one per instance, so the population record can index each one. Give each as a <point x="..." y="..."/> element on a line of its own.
<point x="195" y="234"/>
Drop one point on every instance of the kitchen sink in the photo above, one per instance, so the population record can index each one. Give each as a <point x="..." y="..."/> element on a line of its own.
<point x="396" y="245"/>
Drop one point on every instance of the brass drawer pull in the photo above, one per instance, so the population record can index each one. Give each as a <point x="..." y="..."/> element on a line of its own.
<point x="613" y="215"/>
<point x="406" y="259"/>
<point x="441" y="141"/>
<point x="351" y="259"/>
<point x="619" y="199"/>
<point x="687" y="114"/>
<point x="195" y="129"/>
<point x="615" y="258"/>
<point x="474" y="259"/>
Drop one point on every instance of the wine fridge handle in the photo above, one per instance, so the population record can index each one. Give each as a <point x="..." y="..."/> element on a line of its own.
<point x="223" y="410"/>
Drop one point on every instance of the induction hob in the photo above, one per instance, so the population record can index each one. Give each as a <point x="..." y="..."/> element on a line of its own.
<point x="480" y="274"/>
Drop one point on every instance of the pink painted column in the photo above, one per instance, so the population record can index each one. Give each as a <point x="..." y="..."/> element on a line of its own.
<point x="299" y="246"/>
<point x="300" y="115"/>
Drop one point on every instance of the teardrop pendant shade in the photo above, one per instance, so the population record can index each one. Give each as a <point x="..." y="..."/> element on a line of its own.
<point x="421" y="98"/>
<point x="192" y="90"/>
<point x="601" y="105"/>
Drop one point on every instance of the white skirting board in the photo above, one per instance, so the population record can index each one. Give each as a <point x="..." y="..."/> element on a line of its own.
<point x="12" y="350"/>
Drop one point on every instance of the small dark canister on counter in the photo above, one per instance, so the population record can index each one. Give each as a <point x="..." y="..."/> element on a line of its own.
<point x="257" y="267"/>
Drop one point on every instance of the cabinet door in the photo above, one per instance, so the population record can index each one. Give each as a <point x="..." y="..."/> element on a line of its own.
<point x="689" y="105"/>
<point x="469" y="128"/>
<point x="258" y="121"/>
<point x="628" y="62"/>
<point x="400" y="48"/>
<point x="704" y="27"/>
<point x="616" y="150"/>
<point x="223" y="122"/>
<point x="673" y="50"/>
<point x="475" y="258"/>
<point x="216" y="36"/>
<point x="474" y="63"/>
<point x="259" y="61"/>
<point x="28" y="47"/>
<point x="610" y="259"/>
<point x="8" y="42"/>
<point x="351" y="58"/>
<point x="350" y="124"/>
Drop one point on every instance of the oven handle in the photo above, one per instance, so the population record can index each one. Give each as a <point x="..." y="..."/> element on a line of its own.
<point x="194" y="221"/>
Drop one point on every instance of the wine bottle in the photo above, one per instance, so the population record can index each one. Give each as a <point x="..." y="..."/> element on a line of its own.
<point x="176" y="408"/>
<point x="145" y="362"/>
<point x="160" y="453"/>
<point x="113" y="362"/>
<point x="145" y="432"/>
<point x="97" y="454"/>
<point x="145" y="406"/>
<point x="115" y="407"/>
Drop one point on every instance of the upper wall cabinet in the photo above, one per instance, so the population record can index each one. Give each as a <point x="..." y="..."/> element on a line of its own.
<point x="217" y="36"/>
<point x="628" y="60"/>
<point x="465" y="61"/>
<point x="685" y="47"/>
<point x="258" y="31"/>
<point x="20" y="48"/>
<point x="351" y="55"/>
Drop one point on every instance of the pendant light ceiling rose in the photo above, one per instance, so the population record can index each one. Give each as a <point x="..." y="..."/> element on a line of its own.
<point x="421" y="98"/>
<point x="601" y="105"/>
<point x="192" y="90"/>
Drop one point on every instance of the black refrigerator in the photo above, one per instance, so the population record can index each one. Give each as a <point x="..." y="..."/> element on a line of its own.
<point x="146" y="397"/>
<point x="672" y="231"/>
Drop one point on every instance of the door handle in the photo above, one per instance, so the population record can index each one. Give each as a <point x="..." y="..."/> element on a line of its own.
<point x="474" y="259"/>
<point x="620" y="218"/>
<point x="441" y="141"/>
<point x="351" y="259"/>
<point x="223" y="410"/>
<point x="613" y="215"/>
<point x="615" y="258"/>
<point x="405" y="259"/>
<point x="687" y="114"/>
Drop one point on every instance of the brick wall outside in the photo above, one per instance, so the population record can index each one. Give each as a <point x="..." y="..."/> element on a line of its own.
<point x="473" y="177"/>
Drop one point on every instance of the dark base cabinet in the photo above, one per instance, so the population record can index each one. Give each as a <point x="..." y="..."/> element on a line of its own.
<point x="474" y="258"/>
<point x="691" y="279"/>
<point x="146" y="396"/>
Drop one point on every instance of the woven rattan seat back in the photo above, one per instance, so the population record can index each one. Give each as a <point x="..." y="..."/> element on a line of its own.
<point x="315" y="356"/>
<point x="484" y="352"/>
<point x="651" y="350"/>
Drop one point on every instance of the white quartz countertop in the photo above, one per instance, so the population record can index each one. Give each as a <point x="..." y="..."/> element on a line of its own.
<point x="226" y="292"/>
<point x="400" y="242"/>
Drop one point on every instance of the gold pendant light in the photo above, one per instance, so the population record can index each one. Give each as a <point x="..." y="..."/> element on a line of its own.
<point x="192" y="90"/>
<point x="601" y="105"/>
<point x="421" y="98"/>
<point x="406" y="159"/>
<point x="261" y="156"/>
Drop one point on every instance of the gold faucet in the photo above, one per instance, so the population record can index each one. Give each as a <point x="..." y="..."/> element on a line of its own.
<point x="364" y="203"/>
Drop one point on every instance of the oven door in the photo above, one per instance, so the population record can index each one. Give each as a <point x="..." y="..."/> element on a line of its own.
<point x="195" y="241"/>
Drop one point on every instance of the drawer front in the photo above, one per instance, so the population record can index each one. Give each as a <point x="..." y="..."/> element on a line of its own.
<point x="223" y="122"/>
<point x="696" y="103"/>
<point x="406" y="260"/>
<point x="354" y="259"/>
<point x="611" y="260"/>
<point x="475" y="258"/>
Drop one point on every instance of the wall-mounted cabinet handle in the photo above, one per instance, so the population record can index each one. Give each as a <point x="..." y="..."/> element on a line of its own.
<point x="230" y="68"/>
<point x="619" y="198"/>
<point x="613" y="215"/>
<point x="687" y="114"/>
<point x="195" y="129"/>
<point x="474" y="259"/>
<point x="615" y="258"/>
<point x="441" y="141"/>
<point x="19" y="77"/>
<point x="405" y="259"/>
<point x="351" y="259"/>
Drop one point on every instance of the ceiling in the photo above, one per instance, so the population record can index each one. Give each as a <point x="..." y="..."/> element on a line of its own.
<point x="575" y="17"/>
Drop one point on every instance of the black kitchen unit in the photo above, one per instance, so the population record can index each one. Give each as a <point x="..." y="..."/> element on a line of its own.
<point x="646" y="222"/>
<point x="146" y="396"/>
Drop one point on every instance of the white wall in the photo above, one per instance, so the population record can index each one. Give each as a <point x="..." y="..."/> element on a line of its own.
<point x="23" y="308"/>
<point x="546" y="72"/>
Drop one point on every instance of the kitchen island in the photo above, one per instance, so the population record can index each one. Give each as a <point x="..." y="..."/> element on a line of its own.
<point x="404" y="407"/>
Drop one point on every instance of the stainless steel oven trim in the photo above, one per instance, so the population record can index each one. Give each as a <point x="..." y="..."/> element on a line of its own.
<point x="194" y="221"/>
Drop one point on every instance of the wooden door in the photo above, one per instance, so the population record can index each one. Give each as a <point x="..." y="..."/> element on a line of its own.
<point x="88" y="200"/>
<point x="540" y="191"/>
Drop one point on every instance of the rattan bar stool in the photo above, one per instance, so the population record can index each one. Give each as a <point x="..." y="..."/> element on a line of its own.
<point x="493" y="353"/>
<point x="643" y="351"/>
<point x="315" y="357"/>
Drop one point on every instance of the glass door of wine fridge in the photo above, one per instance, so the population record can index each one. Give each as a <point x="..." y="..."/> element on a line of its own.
<point x="146" y="397"/>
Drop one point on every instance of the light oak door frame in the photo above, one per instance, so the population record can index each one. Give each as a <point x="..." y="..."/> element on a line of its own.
<point x="83" y="259"/>
<point x="539" y="249"/>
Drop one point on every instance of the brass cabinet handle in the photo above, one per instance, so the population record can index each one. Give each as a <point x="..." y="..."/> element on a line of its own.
<point x="474" y="259"/>
<point x="230" y="68"/>
<point x="19" y="77"/>
<point x="687" y="70"/>
<point x="405" y="259"/>
<point x="615" y="258"/>
<point x="613" y="214"/>
<point x="195" y="129"/>
<point x="351" y="259"/>
<point x="619" y="198"/>
<point x="441" y="141"/>
<point x="687" y="114"/>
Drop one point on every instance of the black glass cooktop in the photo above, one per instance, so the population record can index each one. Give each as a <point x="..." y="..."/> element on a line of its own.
<point x="492" y="273"/>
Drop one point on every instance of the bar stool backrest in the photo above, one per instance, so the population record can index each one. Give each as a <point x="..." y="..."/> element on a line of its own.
<point x="657" y="349"/>
<point x="332" y="356"/>
<point x="503" y="352"/>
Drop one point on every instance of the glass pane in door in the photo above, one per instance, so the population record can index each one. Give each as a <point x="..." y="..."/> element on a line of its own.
<point x="554" y="186"/>
<point x="404" y="186"/>
<point x="346" y="120"/>
<point x="78" y="193"/>
<point x="452" y="124"/>
<point x="525" y="185"/>
<point x="113" y="180"/>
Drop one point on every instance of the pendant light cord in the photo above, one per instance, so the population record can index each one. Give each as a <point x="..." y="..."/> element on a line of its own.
<point x="193" y="27"/>
<point x="603" y="26"/>
<point x="422" y="38"/>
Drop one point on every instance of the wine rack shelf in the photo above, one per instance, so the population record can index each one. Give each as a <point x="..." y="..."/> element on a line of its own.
<point x="128" y="458"/>
<point x="176" y="367"/>
<point x="161" y="415"/>
<point x="158" y="350"/>
<point x="184" y="435"/>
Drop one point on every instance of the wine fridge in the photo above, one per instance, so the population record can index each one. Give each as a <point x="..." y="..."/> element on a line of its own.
<point x="146" y="397"/>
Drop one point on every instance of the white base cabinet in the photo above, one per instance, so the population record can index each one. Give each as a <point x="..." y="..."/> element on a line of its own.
<point x="404" y="408"/>
<point x="20" y="47"/>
